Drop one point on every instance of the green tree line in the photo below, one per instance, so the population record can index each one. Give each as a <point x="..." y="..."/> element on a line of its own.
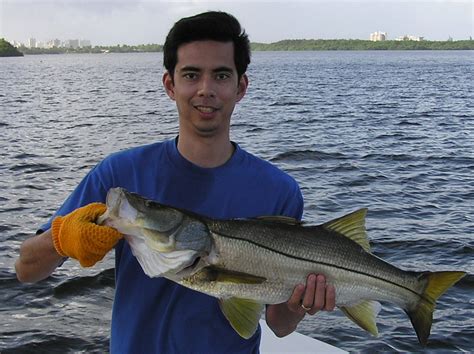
<point x="7" y="50"/>
<point x="124" y="48"/>
<point x="357" y="44"/>
<point x="284" y="45"/>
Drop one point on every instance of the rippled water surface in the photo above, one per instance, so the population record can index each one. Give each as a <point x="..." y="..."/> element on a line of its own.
<point x="391" y="131"/>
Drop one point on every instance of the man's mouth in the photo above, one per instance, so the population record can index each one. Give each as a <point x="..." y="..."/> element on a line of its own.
<point x="205" y="109"/>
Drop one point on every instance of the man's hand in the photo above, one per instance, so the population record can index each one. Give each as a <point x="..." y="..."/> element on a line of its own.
<point x="315" y="296"/>
<point x="76" y="235"/>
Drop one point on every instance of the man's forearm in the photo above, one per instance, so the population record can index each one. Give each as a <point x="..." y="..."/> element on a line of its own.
<point x="38" y="258"/>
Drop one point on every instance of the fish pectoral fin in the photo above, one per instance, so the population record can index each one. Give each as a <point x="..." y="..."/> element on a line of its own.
<point x="364" y="314"/>
<point x="228" y="276"/>
<point x="352" y="226"/>
<point x="242" y="314"/>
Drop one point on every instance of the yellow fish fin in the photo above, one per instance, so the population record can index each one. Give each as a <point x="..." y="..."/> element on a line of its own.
<point x="242" y="314"/>
<point x="421" y="316"/>
<point x="352" y="226"/>
<point x="364" y="314"/>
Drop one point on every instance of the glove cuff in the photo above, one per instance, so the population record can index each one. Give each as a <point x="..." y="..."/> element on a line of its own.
<point x="55" y="230"/>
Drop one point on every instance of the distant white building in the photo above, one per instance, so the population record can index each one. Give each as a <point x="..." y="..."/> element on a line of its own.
<point x="378" y="36"/>
<point x="16" y="44"/>
<point x="84" y="43"/>
<point x="409" y="38"/>
<point x="53" y="43"/>
<point x="77" y="43"/>
<point x="72" y="43"/>
<point x="31" y="43"/>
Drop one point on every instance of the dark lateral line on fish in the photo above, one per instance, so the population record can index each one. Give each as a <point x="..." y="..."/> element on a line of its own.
<point x="323" y="263"/>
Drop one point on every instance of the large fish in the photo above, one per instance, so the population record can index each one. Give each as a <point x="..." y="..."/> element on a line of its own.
<point x="247" y="263"/>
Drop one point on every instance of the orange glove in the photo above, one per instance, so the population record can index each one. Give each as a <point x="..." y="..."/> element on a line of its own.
<point x="77" y="236"/>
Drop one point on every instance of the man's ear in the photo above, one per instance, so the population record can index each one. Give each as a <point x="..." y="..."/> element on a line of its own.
<point x="168" y="84"/>
<point x="242" y="88"/>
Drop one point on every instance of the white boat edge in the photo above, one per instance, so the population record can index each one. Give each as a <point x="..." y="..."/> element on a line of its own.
<point x="295" y="343"/>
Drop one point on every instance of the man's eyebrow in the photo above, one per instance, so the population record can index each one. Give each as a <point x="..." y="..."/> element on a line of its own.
<point x="189" y="68"/>
<point x="223" y="69"/>
<point x="216" y="70"/>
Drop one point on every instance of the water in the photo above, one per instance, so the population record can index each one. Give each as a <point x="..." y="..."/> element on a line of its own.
<point x="391" y="131"/>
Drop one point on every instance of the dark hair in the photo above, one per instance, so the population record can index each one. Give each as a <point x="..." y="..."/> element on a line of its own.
<point x="213" y="25"/>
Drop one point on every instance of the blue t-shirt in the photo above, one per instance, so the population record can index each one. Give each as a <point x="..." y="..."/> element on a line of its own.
<point x="155" y="315"/>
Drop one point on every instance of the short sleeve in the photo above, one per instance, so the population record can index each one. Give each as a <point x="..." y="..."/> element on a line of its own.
<point x="91" y="189"/>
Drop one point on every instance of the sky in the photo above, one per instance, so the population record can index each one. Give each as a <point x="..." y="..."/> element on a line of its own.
<point x="148" y="21"/>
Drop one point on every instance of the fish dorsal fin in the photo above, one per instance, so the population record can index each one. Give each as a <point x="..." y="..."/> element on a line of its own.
<point x="364" y="314"/>
<point x="280" y="218"/>
<point x="352" y="226"/>
<point x="242" y="314"/>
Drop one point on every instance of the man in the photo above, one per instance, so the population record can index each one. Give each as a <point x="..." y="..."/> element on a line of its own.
<point x="205" y="57"/>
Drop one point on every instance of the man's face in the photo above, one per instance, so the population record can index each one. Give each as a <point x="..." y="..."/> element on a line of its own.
<point x="205" y="87"/>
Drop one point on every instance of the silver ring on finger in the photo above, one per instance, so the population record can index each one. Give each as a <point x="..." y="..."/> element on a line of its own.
<point x="305" y="308"/>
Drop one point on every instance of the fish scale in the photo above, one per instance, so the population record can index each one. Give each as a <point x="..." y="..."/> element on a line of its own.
<point x="345" y="256"/>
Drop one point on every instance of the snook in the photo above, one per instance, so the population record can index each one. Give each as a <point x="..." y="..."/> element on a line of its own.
<point x="248" y="263"/>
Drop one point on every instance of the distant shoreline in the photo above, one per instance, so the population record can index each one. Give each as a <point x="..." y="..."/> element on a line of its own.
<point x="284" y="45"/>
<point x="357" y="44"/>
<point x="7" y="50"/>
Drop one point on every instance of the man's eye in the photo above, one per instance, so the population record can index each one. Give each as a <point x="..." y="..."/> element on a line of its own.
<point x="190" y="76"/>
<point x="222" y="76"/>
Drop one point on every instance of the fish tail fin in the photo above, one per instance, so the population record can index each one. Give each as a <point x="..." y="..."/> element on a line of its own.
<point x="421" y="315"/>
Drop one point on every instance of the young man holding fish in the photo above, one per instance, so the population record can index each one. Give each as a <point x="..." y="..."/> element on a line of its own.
<point x="205" y="57"/>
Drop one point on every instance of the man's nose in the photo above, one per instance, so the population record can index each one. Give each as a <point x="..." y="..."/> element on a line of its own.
<point x="207" y="87"/>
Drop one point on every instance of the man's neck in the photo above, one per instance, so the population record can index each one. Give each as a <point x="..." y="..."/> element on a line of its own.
<point x="206" y="152"/>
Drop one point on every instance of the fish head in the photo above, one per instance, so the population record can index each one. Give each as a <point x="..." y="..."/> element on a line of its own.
<point x="180" y="242"/>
